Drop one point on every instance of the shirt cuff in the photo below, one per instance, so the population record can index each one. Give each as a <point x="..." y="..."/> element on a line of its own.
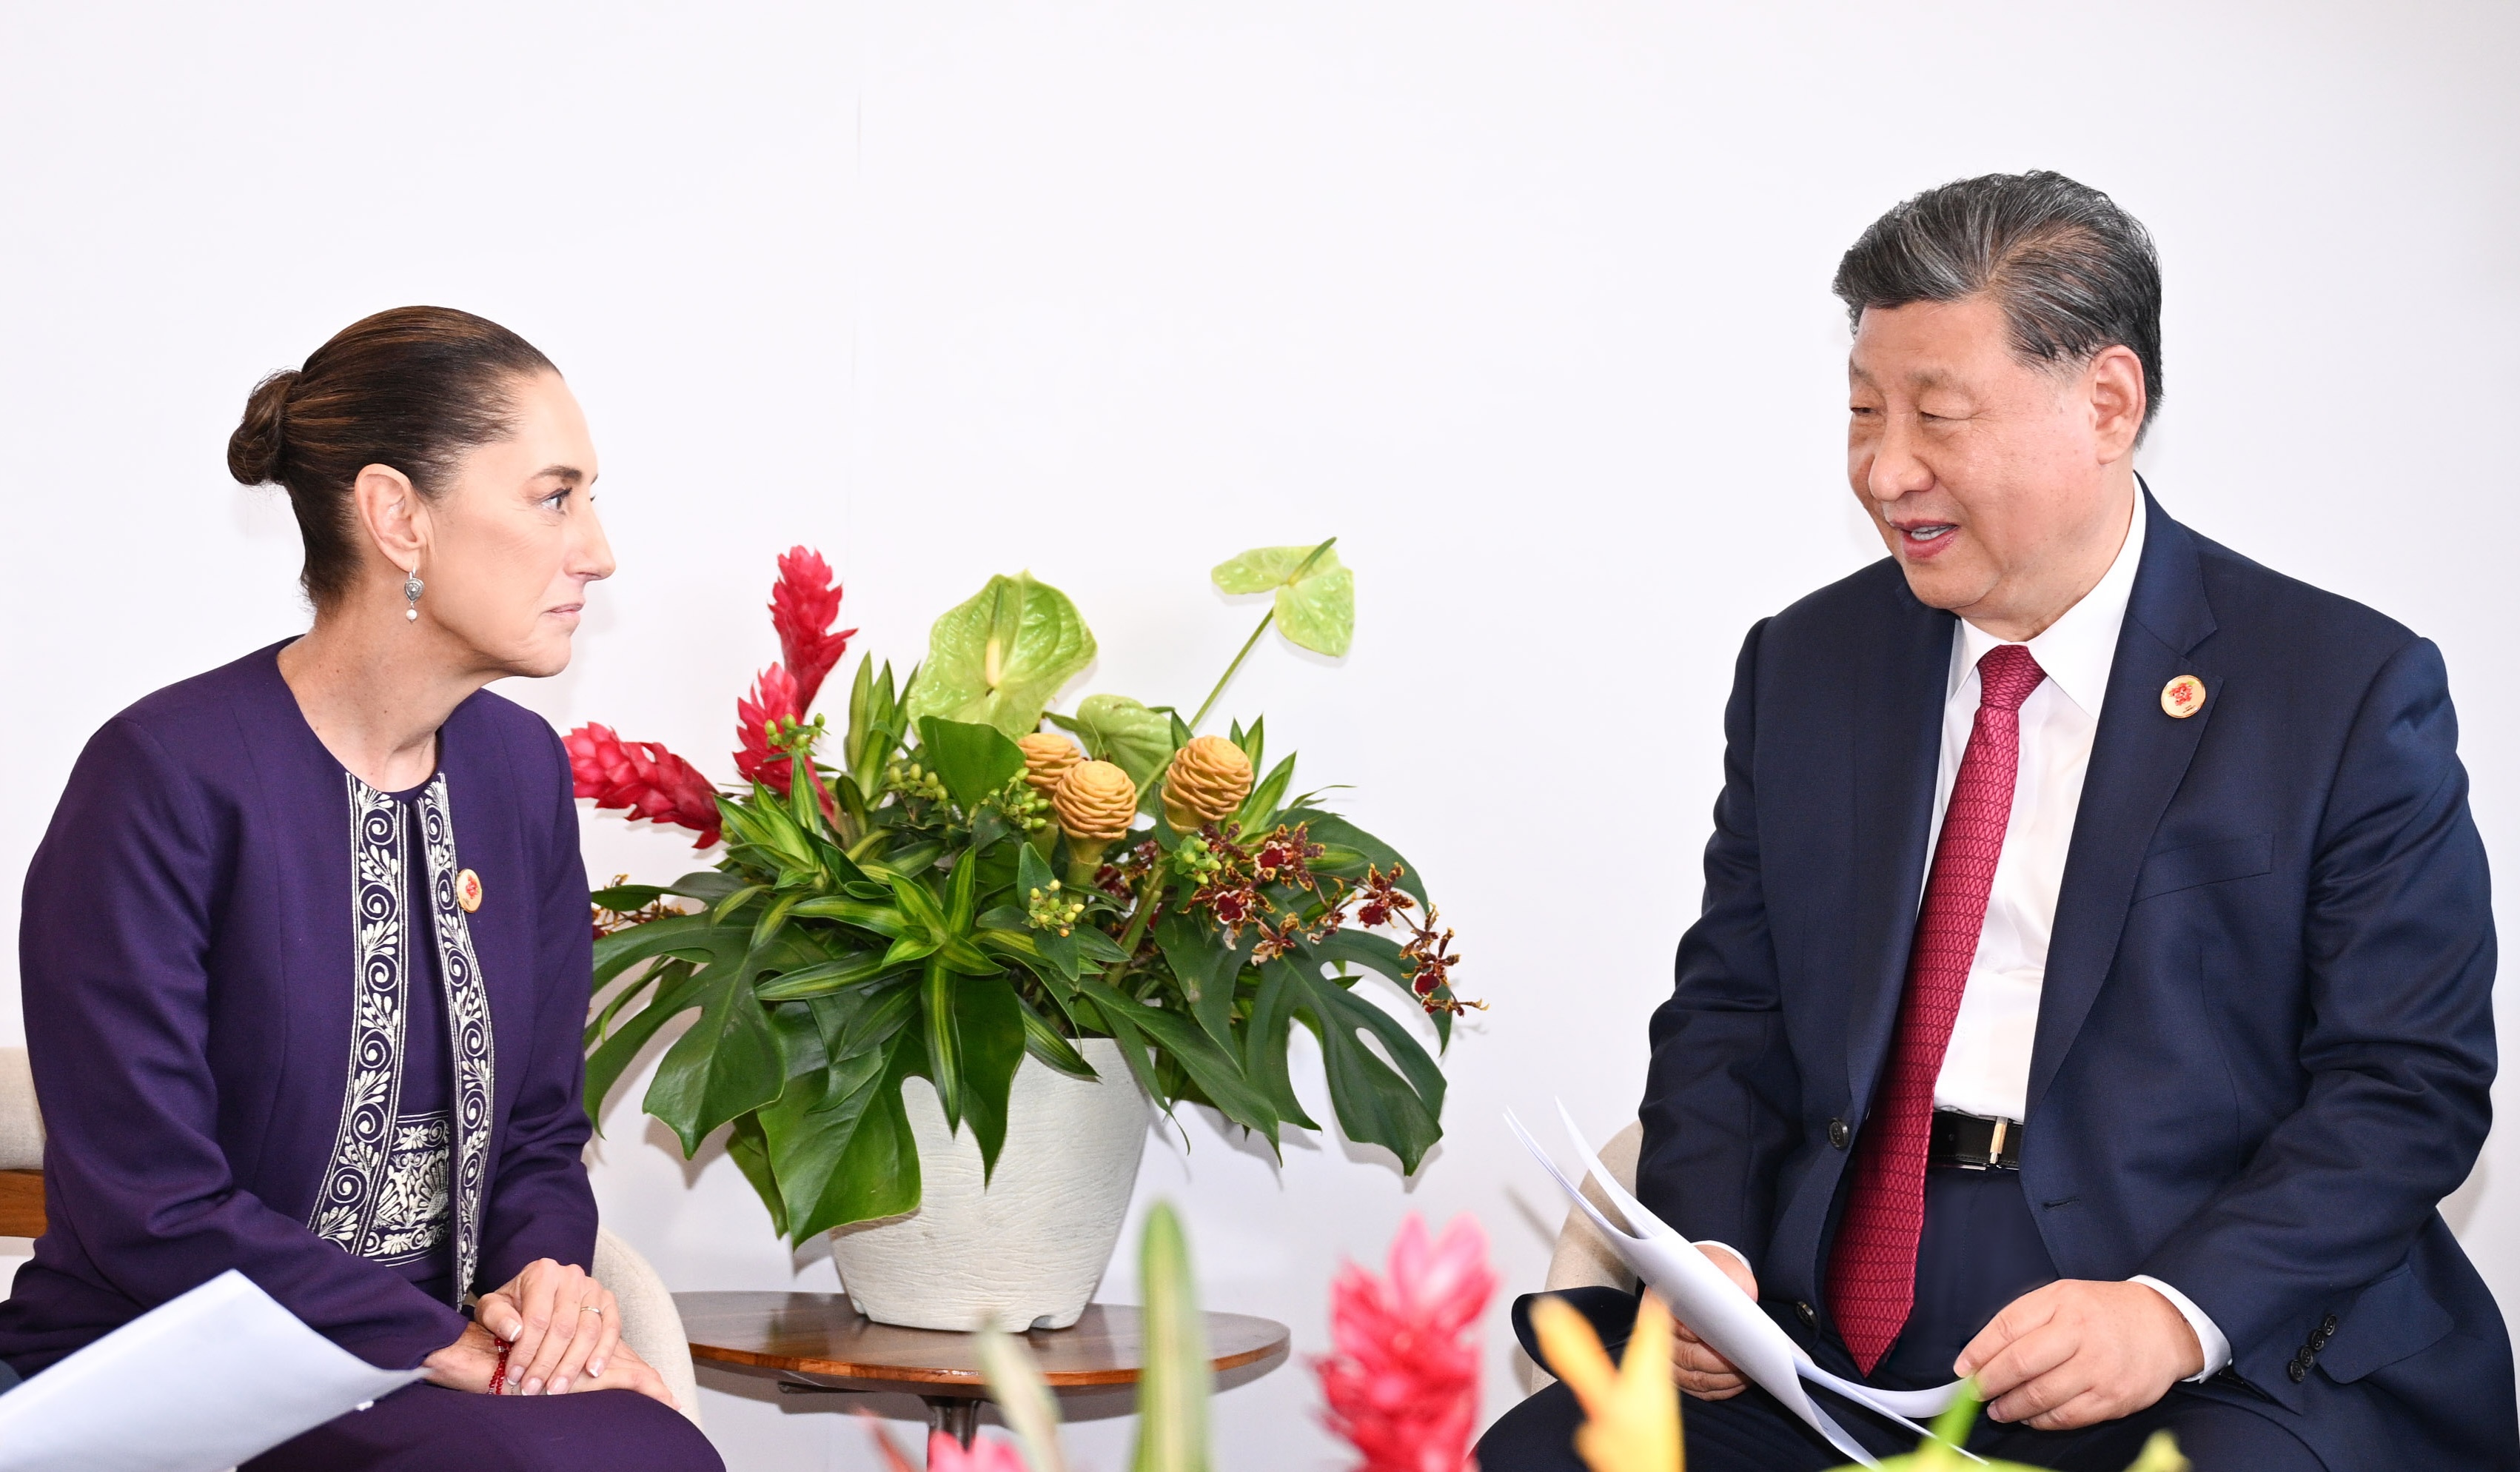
<point x="2217" y="1350"/>
<point x="1734" y="1251"/>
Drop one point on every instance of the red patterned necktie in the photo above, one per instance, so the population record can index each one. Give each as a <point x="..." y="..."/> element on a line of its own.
<point x="1872" y="1268"/>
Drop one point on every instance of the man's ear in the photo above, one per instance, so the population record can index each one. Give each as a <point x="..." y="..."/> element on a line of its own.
<point x="392" y="514"/>
<point x="2114" y="381"/>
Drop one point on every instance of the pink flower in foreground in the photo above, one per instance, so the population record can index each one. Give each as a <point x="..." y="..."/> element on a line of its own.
<point x="774" y="699"/>
<point x="1403" y="1385"/>
<point x="946" y="1454"/>
<point x="804" y="604"/>
<point x="644" y="777"/>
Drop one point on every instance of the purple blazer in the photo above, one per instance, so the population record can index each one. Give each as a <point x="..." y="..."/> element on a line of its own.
<point x="209" y="1004"/>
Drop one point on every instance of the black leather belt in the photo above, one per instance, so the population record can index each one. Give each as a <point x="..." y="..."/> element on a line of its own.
<point x="1974" y="1144"/>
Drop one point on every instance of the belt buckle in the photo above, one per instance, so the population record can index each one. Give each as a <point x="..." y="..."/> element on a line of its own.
<point x="1995" y="1144"/>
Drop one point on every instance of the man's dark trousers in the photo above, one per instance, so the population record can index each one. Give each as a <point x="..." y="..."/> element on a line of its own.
<point x="1980" y="1251"/>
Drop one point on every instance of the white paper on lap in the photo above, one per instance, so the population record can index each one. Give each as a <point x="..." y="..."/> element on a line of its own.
<point x="1719" y="1312"/>
<point x="196" y="1385"/>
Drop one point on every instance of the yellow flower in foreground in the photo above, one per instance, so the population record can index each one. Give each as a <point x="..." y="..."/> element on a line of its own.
<point x="1631" y="1412"/>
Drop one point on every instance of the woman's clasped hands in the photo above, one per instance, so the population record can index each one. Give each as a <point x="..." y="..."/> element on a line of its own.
<point x="561" y="1333"/>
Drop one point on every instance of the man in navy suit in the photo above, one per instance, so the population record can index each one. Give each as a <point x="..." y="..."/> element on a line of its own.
<point x="2092" y="990"/>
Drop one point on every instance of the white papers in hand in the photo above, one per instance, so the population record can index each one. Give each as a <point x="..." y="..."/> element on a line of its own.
<point x="197" y="1385"/>
<point x="1718" y="1312"/>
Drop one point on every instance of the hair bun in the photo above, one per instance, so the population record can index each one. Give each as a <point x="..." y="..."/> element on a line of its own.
<point x="254" y="449"/>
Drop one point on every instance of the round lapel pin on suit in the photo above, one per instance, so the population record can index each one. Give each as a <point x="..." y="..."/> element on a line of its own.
<point x="467" y="885"/>
<point x="2183" y="697"/>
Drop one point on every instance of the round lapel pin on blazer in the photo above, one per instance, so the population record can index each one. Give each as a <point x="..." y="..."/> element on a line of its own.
<point x="2183" y="697"/>
<point x="468" y="886"/>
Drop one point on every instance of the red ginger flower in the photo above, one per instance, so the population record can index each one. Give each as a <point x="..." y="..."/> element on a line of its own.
<point x="1403" y="1387"/>
<point x="644" y="777"/>
<point x="804" y="604"/>
<point x="774" y="699"/>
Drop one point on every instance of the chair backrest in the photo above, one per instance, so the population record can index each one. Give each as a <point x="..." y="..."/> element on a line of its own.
<point x="21" y="1149"/>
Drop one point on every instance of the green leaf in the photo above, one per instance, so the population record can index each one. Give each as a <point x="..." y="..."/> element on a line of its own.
<point x="1002" y="656"/>
<point x="605" y="1065"/>
<point x="1119" y="730"/>
<point x="1375" y="1105"/>
<point x="990" y="1019"/>
<point x="1262" y="805"/>
<point x="1206" y="967"/>
<point x="972" y="761"/>
<point x="1175" y="1384"/>
<point x="823" y="977"/>
<point x="1316" y="596"/>
<point x="883" y="920"/>
<point x="692" y="935"/>
<point x="1214" y="1070"/>
<point x="1044" y="1042"/>
<point x="1264" y="1036"/>
<point x="944" y="1039"/>
<point x="623" y="898"/>
<point x="751" y="1155"/>
<point x="877" y="1172"/>
<point x="728" y="1063"/>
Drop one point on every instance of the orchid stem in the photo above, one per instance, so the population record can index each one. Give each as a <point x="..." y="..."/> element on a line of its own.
<point x="1248" y="644"/>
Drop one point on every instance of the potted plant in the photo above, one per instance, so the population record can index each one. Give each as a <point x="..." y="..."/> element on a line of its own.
<point x="946" y="957"/>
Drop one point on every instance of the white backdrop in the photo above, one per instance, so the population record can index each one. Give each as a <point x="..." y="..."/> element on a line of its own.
<point x="1527" y="303"/>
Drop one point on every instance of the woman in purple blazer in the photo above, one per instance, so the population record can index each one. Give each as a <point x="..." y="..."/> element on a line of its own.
<point x="305" y="952"/>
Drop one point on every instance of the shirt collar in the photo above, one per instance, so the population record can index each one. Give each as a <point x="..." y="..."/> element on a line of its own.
<point x="2078" y="649"/>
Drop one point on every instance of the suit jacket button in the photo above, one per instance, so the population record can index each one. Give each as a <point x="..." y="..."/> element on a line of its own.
<point x="2327" y="1327"/>
<point x="2298" y="1371"/>
<point x="1803" y="1311"/>
<point x="1838" y="1134"/>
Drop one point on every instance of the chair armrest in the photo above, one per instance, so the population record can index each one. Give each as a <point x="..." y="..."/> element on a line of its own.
<point x="21" y="1124"/>
<point x="650" y="1324"/>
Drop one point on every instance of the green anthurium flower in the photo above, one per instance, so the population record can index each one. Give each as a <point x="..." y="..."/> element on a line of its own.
<point x="1000" y="658"/>
<point x="1315" y="603"/>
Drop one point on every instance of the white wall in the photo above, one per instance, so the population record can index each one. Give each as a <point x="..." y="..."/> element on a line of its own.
<point x="1525" y="301"/>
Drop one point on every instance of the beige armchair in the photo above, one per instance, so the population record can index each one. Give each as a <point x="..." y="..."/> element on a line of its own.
<point x="1583" y="1258"/>
<point x="650" y="1324"/>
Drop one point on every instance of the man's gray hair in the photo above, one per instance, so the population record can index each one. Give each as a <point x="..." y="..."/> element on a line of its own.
<point x="2073" y="272"/>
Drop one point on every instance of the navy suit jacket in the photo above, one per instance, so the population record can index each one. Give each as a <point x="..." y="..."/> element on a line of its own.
<point x="2267" y="1034"/>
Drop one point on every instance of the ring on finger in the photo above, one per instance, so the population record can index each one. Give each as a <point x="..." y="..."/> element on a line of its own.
<point x="590" y="1309"/>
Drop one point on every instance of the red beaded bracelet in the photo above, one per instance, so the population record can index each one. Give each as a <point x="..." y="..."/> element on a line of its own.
<point x="499" y="1376"/>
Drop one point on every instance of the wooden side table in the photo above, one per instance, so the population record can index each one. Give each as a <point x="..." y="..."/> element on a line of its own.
<point x="821" y="1337"/>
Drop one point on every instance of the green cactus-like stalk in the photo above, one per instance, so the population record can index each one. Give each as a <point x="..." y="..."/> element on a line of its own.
<point x="1173" y="1391"/>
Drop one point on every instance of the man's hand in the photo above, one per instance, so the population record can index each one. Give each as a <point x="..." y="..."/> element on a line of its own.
<point x="560" y="1326"/>
<point x="1698" y="1370"/>
<point x="2076" y="1353"/>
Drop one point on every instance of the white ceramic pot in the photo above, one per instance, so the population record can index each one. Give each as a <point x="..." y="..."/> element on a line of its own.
<point x="1026" y="1250"/>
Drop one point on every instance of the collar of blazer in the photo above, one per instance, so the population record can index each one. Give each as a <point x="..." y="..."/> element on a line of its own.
<point x="2138" y="759"/>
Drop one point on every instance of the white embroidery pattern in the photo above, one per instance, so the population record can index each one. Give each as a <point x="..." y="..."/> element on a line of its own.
<point x="359" y="1144"/>
<point x="390" y="1185"/>
<point x="467" y="1023"/>
<point x="411" y="1199"/>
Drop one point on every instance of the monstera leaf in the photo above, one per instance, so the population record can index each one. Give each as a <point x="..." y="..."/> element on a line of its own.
<point x="1119" y="730"/>
<point x="1316" y="604"/>
<point x="999" y="658"/>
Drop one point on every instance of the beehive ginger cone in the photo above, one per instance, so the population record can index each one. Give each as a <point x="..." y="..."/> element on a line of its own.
<point x="1208" y="780"/>
<point x="1096" y="802"/>
<point x="1047" y="758"/>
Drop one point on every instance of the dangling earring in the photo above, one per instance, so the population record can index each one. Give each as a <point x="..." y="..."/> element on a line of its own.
<point x="410" y="588"/>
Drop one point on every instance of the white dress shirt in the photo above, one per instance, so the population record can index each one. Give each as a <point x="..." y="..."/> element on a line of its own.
<point x="1986" y="1069"/>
